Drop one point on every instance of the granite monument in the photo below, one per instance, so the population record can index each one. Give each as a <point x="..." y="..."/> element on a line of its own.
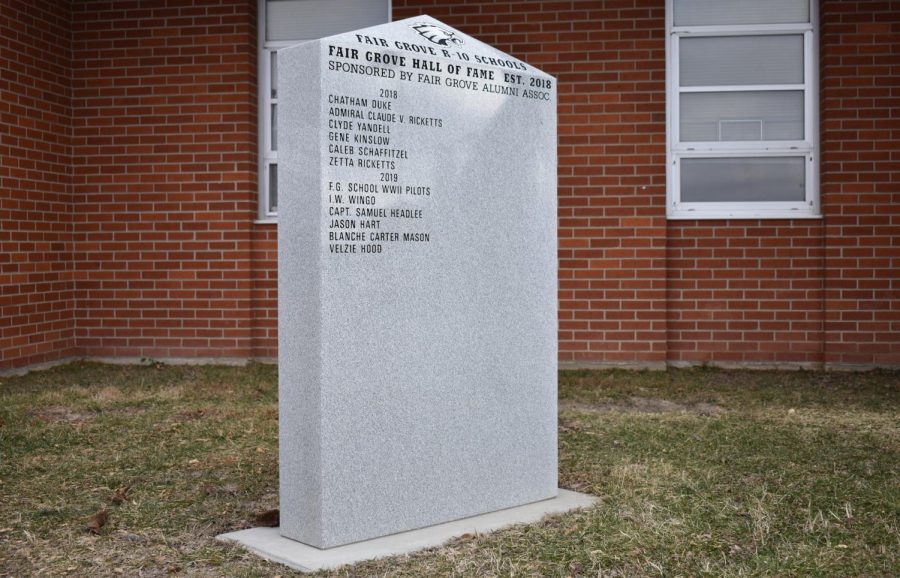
<point x="417" y="282"/>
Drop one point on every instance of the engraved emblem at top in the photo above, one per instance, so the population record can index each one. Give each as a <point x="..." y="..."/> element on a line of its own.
<point x="436" y="34"/>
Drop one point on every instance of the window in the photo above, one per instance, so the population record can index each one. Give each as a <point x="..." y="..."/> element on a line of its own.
<point x="742" y="109"/>
<point x="283" y="23"/>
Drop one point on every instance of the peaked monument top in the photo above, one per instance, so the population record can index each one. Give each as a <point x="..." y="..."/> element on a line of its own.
<point x="428" y="37"/>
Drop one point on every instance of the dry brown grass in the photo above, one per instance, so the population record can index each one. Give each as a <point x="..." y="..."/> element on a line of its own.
<point x="700" y="472"/>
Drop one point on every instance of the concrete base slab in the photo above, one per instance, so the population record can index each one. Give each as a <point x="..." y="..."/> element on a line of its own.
<point x="271" y="545"/>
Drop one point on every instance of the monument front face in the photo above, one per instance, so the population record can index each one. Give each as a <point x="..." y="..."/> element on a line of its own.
<point x="417" y="282"/>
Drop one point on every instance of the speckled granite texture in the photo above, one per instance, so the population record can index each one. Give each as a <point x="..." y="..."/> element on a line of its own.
<point x="418" y="383"/>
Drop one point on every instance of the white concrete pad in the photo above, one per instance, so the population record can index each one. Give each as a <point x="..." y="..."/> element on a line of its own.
<point x="268" y="542"/>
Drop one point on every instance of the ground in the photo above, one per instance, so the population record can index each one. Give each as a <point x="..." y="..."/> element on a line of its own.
<point x="700" y="472"/>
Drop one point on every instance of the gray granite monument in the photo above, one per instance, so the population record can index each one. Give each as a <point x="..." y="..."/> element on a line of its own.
<point x="417" y="282"/>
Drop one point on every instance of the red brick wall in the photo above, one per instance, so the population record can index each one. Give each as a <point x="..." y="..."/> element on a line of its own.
<point x="861" y="180"/>
<point x="745" y="291"/>
<point x="636" y="288"/>
<point x="265" y="291"/>
<point x="128" y="189"/>
<point x="164" y="138"/>
<point x="36" y="287"/>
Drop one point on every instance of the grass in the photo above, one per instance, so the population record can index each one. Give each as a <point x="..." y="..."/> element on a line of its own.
<point x="700" y="472"/>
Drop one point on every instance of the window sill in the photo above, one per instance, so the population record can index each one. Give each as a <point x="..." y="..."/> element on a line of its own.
<point x="719" y="216"/>
<point x="266" y="221"/>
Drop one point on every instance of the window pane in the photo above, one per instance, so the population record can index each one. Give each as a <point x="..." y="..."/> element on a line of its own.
<point x="743" y="179"/>
<point x="274" y="127"/>
<point x="273" y="188"/>
<point x="310" y="19"/>
<point x="741" y="60"/>
<point x="710" y="12"/>
<point x="741" y="116"/>
<point x="273" y="77"/>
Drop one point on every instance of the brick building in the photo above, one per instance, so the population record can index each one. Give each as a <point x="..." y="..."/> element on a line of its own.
<point x="138" y="179"/>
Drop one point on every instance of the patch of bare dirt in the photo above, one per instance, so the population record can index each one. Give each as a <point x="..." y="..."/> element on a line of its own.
<point x="642" y="405"/>
<point x="61" y="414"/>
<point x="194" y="414"/>
<point x="65" y="414"/>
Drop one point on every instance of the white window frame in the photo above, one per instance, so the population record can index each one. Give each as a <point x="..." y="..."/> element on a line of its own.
<point x="267" y="156"/>
<point x="807" y="148"/>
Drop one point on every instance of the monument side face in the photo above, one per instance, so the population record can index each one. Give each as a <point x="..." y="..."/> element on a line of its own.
<point x="417" y="229"/>
<point x="300" y="301"/>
